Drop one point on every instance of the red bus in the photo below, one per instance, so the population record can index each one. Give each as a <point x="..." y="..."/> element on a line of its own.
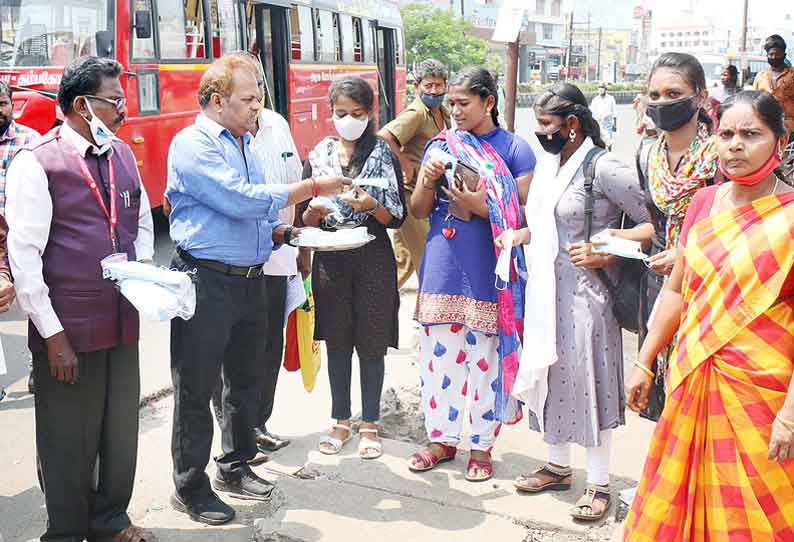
<point x="165" y="45"/>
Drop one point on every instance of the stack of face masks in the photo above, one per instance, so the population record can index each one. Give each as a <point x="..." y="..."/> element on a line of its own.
<point x="157" y="293"/>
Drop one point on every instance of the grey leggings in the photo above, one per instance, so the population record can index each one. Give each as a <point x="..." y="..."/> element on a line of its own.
<point x="371" y="376"/>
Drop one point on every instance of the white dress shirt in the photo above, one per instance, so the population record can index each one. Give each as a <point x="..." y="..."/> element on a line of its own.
<point x="275" y="149"/>
<point x="603" y="107"/>
<point x="29" y="216"/>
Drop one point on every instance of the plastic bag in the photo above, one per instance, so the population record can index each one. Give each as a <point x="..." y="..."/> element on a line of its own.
<point x="301" y="348"/>
<point x="157" y="293"/>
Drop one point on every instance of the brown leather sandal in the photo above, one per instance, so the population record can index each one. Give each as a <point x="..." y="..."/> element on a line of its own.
<point x="133" y="533"/>
<point x="553" y="478"/>
<point x="594" y="504"/>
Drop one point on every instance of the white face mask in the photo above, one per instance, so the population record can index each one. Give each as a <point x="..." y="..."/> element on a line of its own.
<point x="349" y="127"/>
<point x="102" y="134"/>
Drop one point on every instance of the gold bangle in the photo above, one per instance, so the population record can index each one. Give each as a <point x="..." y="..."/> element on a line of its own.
<point x="644" y="369"/>
<point x="788" y="424"/>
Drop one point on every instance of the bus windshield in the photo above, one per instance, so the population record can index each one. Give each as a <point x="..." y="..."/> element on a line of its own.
<point x="53" y="33"/>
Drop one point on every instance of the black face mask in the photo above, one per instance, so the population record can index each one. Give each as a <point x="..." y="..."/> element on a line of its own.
<point x="5" y="122"/>
<point x="670" y="116"/>
<point x="776" y="62"/>
<point x="552" y="143"/>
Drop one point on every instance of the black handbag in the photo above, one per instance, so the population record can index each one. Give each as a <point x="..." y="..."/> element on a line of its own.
<point x="626" y="292"/>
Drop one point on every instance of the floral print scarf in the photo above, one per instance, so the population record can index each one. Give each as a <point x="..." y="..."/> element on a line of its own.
<point x="673" y="190"/>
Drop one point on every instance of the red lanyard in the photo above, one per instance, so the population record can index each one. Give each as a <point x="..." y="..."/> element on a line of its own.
<point x="112" y="216"/>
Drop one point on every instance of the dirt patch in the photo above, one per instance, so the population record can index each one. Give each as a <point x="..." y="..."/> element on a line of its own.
<point x="401" y="416"/>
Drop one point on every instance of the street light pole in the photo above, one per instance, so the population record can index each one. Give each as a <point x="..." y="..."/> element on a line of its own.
<point x="744" y="42"/>
<point x="570" y="48"/>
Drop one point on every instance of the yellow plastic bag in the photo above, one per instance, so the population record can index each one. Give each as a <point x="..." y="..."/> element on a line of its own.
<point x="302" y="350"/>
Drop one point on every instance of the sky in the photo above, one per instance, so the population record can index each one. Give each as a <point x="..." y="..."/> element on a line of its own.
<point x="618" y="14"/>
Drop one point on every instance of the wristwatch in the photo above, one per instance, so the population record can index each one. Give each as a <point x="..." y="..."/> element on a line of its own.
<point x="288" y="235"/>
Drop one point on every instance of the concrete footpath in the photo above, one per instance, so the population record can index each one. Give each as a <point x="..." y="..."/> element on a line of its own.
<point x="340" y="498"/>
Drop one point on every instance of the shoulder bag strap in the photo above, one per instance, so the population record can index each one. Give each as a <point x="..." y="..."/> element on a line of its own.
<point x="589" y="168"/>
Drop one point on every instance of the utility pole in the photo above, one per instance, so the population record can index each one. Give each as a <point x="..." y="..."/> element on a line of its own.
<point x="587" y="62"/>
<point x="570" y="48"/>
<point x="598" y="60"/>
<point x="744" y="42"/>
<point x="511" y="84"/>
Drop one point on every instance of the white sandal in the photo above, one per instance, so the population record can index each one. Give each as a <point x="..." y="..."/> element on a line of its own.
<point x="334" y="445"/>
<point x="368" y="448"/>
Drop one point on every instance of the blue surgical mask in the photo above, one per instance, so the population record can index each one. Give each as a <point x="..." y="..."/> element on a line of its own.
<point x="433" y="101"/>
<point x="102" y="134"/>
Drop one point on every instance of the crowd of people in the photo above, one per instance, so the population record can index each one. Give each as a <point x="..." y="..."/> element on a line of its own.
<point x="517" y="300"/>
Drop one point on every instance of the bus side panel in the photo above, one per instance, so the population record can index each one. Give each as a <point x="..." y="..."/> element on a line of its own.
<point x="309" y="112"/>
<point x="400" y="88"/>
<point x="150" y="135"/>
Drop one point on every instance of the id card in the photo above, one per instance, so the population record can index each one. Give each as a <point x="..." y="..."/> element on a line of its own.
<point x="118" y="257"/>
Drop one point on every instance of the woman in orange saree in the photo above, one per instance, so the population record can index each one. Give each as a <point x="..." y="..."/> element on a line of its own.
<point x="720" y="463"/>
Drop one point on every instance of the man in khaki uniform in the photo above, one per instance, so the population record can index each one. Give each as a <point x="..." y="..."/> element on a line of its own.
<point x="407" y="136"/>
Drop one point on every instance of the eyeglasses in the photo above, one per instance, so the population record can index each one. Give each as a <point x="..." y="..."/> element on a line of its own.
<point x="118" y="103"/>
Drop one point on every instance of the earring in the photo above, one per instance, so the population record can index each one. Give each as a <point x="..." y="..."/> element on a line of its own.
<point x="572" y="135"/>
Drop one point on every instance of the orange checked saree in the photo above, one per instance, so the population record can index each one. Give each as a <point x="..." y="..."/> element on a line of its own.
<point x="707" y="476"/>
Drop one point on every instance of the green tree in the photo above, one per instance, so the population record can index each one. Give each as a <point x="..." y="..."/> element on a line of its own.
<point x="437" y="33"/>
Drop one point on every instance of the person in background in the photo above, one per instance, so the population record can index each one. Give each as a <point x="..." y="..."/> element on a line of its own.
<point x="571" y="373"/>
<point x="214" y="181"/>
<point x="355" y="291"/>
<point x="603" y="107"/>
<point x="407" y="136"/>
<point x="13" y="137"/>
<point x="672" y="168"/>
<point x="778" y="79"/>
<point x="729" y="79"/>
<point x="720" y="463"/>
<point x="77" y="193"/>
<point x="274" y="148"/>
<point x="7" y="292"/>
<point x="470" y="341"/>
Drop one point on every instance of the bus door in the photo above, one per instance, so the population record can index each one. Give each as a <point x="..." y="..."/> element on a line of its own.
<point x="386" y="66"/>
<point x="268" y="37"/>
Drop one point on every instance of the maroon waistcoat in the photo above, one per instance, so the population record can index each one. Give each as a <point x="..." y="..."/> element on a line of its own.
<point x="94" y="314"/>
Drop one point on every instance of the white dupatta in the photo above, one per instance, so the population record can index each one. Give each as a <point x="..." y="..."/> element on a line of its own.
<point x="540" y="313"/>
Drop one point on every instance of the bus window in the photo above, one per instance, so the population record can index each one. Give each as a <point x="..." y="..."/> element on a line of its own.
<point x="346" y="24"/>
<point x="300" y="28"/>
<point x="142" y="48"/>
<point x="337" y="38"/>
<point x="181" y="29"/>
<point x="46" y="33"/>
<point x="358" y="40"/>
<point x="369" y="43"/>
<point x="323" y="36"/>
<point x="225" y="27"/>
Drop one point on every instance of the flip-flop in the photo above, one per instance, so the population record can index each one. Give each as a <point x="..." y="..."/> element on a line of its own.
<point x="374" y="447"/>
<point x="428" y="460"/>
<point x="334" y="445"/>
<point x="483" y="466"/>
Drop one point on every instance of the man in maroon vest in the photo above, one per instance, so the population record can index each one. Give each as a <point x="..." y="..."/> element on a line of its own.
<point x="74" y="198"/>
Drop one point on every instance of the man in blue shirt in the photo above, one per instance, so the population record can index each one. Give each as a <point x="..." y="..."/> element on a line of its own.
<point x="224" y="220"/>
